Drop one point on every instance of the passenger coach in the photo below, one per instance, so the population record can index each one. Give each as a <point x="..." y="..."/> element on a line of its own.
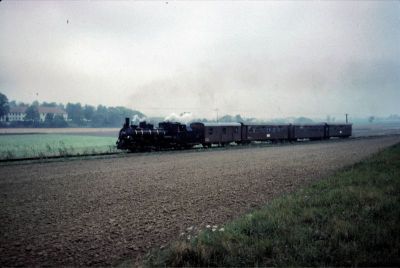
<point x="265" y="133"/>
<point x="218" y="133"/>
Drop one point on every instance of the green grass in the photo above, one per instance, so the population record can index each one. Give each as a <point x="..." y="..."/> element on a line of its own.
<point x="44" y="145"/>
<point x="349" y="219"/>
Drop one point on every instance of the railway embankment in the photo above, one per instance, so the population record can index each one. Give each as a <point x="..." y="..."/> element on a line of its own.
<point x="37" y="148"/>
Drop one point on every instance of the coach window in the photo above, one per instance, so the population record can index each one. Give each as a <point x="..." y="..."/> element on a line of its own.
<point x="210" y="131"/>
<point x="236" y="129"/>
<point x="224" y="130"/>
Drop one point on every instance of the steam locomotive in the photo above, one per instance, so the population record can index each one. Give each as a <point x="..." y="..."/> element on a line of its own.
<point x="174" y="135"/>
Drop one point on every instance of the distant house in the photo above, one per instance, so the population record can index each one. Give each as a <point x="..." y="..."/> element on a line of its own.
<point x="19" y="113"/>
<point x="43" y="111"/>
<point x="15" y="114"/>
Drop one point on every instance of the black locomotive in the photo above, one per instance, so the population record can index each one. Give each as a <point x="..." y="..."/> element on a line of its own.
<point x="179" y="136"/>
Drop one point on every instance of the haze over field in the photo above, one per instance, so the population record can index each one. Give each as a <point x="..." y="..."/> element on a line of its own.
<point x="257" y="59"/>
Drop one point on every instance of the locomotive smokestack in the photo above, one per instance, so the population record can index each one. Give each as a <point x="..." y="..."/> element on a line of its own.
<point x="126" y="125"/>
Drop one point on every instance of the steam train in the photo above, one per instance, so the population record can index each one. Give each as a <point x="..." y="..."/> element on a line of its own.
<point x="174" y="135"/>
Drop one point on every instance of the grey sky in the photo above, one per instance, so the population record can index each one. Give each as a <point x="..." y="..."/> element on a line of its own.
<point x="262" y="59"/>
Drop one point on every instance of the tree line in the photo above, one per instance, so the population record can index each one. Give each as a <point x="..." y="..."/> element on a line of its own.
<point x="78" y="115"/>
<point x="100" y="116"/>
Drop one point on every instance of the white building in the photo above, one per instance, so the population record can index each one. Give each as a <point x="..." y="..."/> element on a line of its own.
<point x="15" y="114"/>
<point x="43" y="111"/>
<point x="19" y="113"/>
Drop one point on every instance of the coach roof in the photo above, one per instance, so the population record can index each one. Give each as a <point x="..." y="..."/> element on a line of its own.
<point x="221" y="124"/>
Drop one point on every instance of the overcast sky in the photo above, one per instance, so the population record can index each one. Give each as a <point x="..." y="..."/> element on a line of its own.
<point x="261" y="59"/>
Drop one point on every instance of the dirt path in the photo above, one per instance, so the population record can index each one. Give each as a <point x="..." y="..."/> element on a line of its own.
<point x="100" y="211"/>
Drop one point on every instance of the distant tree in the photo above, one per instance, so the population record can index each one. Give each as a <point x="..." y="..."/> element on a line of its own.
<point x="32" y="113"/>
<point x="4" y="106"/>
<point x="88" y="112"/>
<point x="48" y="120"/>
<point x="35" y="103"/>
<point x="371" y="119"/>
<point x="99" y="118"/>
<point x="49" y="117"/>
<point x="238" y="119"/>
<point x="13" y="104"/>
<point x="59" y="121"/>
<point x="394" y="117"/>
<point x="226" y="118"/>
<point x="117" y="115"/>
<point x="75" y="112"/>
<point x="49" y="104"/>
<point x="101" y="109"/>
<point x="112" y="116"/>
<point x="303" y="120"/>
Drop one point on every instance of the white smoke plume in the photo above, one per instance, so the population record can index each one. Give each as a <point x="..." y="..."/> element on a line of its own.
<point x="184" y="117"/>
<point x="136" y="119"/>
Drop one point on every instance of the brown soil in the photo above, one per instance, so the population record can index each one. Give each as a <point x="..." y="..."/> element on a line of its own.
<point x="101" y="211"/>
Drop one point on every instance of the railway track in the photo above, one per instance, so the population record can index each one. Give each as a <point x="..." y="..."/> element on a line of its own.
<point x="198" y="149"/>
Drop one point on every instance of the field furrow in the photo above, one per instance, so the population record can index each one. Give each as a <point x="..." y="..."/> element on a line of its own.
<point x="102" y="211"/>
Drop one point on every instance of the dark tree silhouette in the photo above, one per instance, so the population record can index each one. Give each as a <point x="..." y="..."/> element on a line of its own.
<point x="4" y="106"/>
<point x="32" y="113"/>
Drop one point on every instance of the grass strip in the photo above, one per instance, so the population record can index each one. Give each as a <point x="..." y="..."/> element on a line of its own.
<point x="349" y="219"/>
<point x="16" y="147"/>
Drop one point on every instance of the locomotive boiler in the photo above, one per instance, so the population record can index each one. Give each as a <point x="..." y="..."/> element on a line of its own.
<point x="167" y="135"/>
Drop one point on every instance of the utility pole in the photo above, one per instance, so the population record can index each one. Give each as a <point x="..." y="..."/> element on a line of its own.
<point x="217" y="114"/>
<point x="346" y="119"/>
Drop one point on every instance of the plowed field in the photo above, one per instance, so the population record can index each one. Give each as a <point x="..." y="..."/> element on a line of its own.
<point x="102" y="211"/>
